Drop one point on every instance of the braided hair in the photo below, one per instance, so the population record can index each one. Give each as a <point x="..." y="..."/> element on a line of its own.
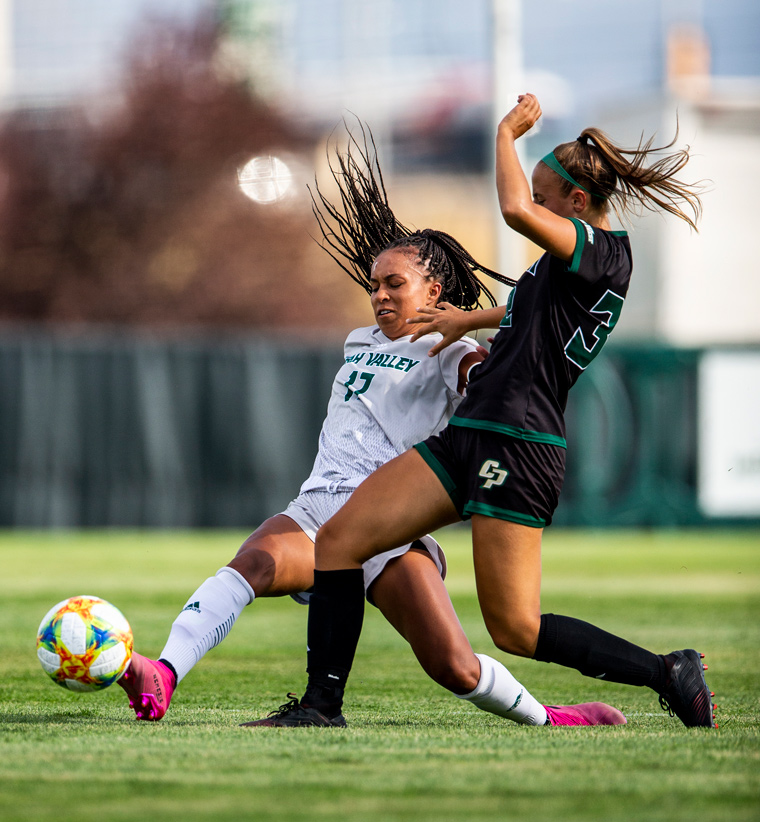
<point x="364" y="225"/>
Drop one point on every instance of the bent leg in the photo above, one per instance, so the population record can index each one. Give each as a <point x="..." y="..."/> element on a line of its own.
<point x="277" y="559"/>
<point x="507" y="560"/>
<point x="508" y="571"/>
<point x="412" y="596"/>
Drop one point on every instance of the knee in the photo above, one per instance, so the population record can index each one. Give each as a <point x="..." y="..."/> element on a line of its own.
<point x="256" y="566"/>
<point x="516" y="636"/>
<point x="455" y="673"/>
<point x="331" y="542"/>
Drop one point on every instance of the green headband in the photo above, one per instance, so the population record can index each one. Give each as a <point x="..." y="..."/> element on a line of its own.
<point x="554" y="164"/>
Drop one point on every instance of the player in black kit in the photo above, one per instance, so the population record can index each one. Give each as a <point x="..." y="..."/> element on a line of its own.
<point x="501" y="459"/>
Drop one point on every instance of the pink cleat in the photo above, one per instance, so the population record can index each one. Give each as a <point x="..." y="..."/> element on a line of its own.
<point x="149" y="685"/>
<point x="587" y="713"/>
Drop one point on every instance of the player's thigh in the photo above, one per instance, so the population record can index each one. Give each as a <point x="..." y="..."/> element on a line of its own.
<point x="277" y="558"/>
<point x="413" y="598"/>
<point x="400" y="502"/>
<point x="507" y="561"/>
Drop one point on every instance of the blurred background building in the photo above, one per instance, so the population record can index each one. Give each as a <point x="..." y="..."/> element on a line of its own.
<point x="124" y="126"/>
<point x="421" y="73"/>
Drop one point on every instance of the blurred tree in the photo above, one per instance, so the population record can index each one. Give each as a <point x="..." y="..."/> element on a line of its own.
<point x="131" y="213"/>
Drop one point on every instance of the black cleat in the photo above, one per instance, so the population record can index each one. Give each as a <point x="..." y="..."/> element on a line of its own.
<point x="687" y="695"/>
<point x="294" y="715"/>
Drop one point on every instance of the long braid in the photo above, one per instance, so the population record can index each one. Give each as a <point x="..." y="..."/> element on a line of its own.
<point x="364" y="225"/>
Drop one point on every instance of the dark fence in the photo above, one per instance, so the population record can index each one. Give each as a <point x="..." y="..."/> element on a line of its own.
<point x="632" y="441"/>
<point x="112" y="431"/>
<point x="123" y="431"/>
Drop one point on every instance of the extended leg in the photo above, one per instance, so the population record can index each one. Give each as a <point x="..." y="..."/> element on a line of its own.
<point x="277" y="559"/>
<point x="508" y="572"/>
<point x="412" y="596"/>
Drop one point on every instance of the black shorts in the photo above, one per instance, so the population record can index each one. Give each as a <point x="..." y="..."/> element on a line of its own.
<point x="497" y="475"/>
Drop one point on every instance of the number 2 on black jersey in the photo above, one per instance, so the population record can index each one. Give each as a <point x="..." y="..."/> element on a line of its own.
<point x="608" y="308"/>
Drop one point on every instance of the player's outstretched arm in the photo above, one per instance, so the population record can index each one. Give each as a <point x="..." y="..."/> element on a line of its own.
<point x="453" y="323"/>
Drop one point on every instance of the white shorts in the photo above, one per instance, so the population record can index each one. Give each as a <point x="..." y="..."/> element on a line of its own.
<point x="311" y="510"/>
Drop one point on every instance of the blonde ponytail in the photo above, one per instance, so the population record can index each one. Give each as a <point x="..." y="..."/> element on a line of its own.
<point x="622" y="177"/>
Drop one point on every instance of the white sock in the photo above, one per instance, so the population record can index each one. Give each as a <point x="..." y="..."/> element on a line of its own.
<point x="500" y="693"/>
<point x="206" y="619"/>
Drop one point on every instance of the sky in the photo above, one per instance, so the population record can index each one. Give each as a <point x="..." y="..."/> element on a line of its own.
<point x="391" y="61"/>
<point x="602" y="48"/>
<point x="63" y="48"/>
<point x="584" y="54"/>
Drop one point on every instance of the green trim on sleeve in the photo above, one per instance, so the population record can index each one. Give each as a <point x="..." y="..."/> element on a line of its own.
<point x="509" y="430"/>
<point x="580" y="244"/>
<point x="503" y="513"/>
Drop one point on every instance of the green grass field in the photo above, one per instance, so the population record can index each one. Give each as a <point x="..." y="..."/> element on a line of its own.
<point x="412" y="751"/>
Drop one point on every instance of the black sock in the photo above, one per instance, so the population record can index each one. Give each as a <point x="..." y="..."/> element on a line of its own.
<point x="596" y="653"/>
<point x="336" y="613"/>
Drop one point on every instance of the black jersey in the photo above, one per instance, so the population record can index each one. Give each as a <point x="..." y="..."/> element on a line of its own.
<point x="558" y="317"/>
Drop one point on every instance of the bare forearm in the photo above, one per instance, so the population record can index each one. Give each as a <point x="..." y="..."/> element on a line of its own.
<point x="511" y="183"/>
<point x="485" y="318"/>
<point x="453" y="323"/>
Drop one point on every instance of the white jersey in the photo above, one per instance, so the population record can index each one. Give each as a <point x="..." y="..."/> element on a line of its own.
<point x="388" y="396"/>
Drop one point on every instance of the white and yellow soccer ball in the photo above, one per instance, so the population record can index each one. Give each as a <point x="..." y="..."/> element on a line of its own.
<point x="84" y="643"/>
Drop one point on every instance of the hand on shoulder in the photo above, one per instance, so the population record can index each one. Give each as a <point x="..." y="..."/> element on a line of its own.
<point x="453" y="323"/>
<point x="445" y="319"/>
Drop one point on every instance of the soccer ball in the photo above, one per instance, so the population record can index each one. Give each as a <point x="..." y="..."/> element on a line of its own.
<point x="84" y="643"/>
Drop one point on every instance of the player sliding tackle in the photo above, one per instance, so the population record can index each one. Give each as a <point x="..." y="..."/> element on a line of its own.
<point x="388" y="395"/>
<point x="501" y="459"/>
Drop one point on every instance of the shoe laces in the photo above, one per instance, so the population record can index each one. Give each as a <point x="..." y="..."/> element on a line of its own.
<point x="291" y="705"/>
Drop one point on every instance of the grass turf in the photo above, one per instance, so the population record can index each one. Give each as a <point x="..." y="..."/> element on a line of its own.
<point x="412" y="751"/>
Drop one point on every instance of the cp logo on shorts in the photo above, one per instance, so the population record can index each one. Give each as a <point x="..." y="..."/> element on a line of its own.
<point x="492" y="473"/>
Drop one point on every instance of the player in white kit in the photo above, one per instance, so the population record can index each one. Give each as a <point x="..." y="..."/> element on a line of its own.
<point x="388" y="395"/>
<point x="388" y="391"/>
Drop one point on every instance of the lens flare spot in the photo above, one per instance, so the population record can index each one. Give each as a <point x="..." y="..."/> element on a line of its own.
<point x="266" y="180"/>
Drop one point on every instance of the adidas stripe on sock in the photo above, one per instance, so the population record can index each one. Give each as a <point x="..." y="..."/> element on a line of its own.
<point x="206" y="619"/>
<point x="498" y="692"/>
